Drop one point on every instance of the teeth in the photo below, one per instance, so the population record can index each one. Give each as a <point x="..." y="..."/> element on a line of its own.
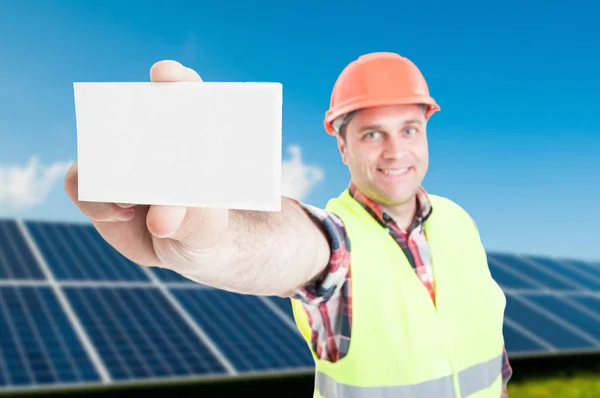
<point x="395" y="171"/>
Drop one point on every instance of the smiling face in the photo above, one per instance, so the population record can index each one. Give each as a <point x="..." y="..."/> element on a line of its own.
<point x="386" y="151"/>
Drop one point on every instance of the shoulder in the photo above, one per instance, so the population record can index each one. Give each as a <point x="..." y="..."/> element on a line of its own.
<point x="451" y="209"/>
<point x="445" y="203"/>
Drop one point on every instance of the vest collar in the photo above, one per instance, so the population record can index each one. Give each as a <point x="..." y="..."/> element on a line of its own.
<point x="424" y="208"/>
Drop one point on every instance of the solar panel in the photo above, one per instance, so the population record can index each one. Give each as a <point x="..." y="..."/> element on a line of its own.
<point x="284" y="305"/>
<point x="580" y="272"/>
<point x="138" y="334"/>
<point x="265" y="342"/>
<point x="132" y="320"/>
<point x="521" y="341"/>
<point x="585" y="323"/>
<point x="542" y="321"/>
<point x="508" y="278"/>
<point x="74" y="311"/>
<point x="167" y="276"/>
<point x="16" y="260"/>
<point x="78" y="252"/>
<point x="549" y="304"/>
<point x="38" y="343"/>
<point x="547" y="273"/>
<point x="590" y="303"/>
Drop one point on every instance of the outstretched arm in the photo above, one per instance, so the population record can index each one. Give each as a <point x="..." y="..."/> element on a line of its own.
<point x="261" y="253"/>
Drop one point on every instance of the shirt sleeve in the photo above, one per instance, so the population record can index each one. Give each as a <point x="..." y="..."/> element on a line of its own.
<point x="328" y="284"/>
<point x="506" y="368"/>
<point x="326" y="298"/>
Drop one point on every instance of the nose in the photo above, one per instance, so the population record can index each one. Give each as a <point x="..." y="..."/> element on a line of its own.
<point x="395" y="148"/>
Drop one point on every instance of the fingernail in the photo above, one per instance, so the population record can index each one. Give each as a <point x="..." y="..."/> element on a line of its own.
<point x="177" y="216"/>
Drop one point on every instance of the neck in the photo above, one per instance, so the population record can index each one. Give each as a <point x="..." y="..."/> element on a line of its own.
<point x="403" y="214"/>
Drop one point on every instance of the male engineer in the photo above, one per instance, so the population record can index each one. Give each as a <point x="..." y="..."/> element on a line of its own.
<point x="389" y="284"/>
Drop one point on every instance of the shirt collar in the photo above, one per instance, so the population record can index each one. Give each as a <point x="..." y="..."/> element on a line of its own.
<point x="424" y="207"/>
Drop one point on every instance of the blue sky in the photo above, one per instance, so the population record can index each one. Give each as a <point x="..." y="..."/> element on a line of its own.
<point x="517" y="143"/>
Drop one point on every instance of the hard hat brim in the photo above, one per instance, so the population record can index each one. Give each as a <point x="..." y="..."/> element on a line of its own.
<point x="331" y="115"/>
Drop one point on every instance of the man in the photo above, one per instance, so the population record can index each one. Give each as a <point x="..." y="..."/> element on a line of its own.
<point x="390" y="285"/>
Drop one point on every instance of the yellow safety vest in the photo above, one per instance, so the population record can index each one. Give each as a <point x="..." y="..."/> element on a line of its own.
<point x="402" y="345"/>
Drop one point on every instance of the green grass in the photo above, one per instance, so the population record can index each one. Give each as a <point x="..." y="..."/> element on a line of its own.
<point x="585" y="385"/>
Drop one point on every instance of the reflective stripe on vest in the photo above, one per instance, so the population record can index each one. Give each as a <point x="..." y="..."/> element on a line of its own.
<point x="480" y="376"/>
<point x="472" y="380"/>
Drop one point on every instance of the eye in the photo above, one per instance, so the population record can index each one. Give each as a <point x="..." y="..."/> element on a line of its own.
<point x="411" y="131"/>
<point x="371" y="135"/>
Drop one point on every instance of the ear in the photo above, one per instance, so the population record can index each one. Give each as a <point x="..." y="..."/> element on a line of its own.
<point x="342" y="146"/>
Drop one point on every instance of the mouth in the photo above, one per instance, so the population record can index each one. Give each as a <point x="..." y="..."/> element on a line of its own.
<point x="395" y="172"/>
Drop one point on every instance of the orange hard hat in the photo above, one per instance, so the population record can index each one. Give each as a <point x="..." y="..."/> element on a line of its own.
<point x="378" y="79"/>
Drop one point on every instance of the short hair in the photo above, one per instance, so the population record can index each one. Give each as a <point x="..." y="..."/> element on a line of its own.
<point x="340" y="124"/>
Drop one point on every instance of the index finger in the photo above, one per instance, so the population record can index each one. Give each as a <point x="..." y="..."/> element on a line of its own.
<point x="173" y="71"/>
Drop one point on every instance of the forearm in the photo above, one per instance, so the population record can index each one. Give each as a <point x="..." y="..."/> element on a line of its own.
<point x="263" y="253"/>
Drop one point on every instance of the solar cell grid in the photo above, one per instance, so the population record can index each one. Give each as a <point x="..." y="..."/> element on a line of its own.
<point x="590" y="303"/>
<point x="250" y="334"/>
<point x="283" y="304"/>
<point x="542" y="313"/>
<point x="508" y="278"/>
<point x="580" y="318"/>
<point x="38" y="344"/>
<point x="16" y="260"/>
<point x="578" y="271"/>
<point x="78" y="252"/>
<point x="167" y="276"/>
<point x="139" y="334"/>
<point x="540" y="276"/>
<point x="546" y="325"/>
<point x="592" y="266"/>
<point x="520" y="341"/>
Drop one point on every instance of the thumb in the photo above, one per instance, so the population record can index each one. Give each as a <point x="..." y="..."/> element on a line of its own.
<point x="196" y="228"/>
<point x="163" y="221"/>
<point x="173" y="71"/>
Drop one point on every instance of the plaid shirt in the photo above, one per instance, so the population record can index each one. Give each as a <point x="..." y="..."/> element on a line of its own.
<point x="327" y="300"/>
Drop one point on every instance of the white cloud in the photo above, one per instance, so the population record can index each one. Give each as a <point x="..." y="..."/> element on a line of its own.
<point x="298" y="178"/>
<point x="23" y="186"/>
<point x="29" y="185"/>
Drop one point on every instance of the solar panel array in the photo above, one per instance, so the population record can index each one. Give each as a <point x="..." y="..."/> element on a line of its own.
<point x="74" y="312"/>
<point x="553" y="305"/>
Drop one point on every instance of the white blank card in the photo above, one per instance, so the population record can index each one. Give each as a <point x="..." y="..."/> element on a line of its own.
<point x="195" y="144"/>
